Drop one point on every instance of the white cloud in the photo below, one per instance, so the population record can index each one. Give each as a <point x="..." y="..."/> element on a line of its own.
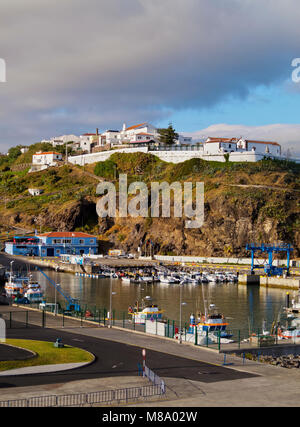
<point x="99" y="61"/>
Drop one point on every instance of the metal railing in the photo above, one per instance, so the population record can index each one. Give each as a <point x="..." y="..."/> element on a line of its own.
<point x="85" y="399"/>
<point x="155" y="379"/>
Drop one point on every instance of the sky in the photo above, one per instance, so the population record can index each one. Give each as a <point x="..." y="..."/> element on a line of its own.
<point x="210" y="67"/>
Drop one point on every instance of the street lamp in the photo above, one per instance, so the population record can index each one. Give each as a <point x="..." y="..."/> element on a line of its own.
<point x="180" y="310"/>
<point x="11" y="263"/>
<point x="55" y="309"/>
<point x="111" y="293"/>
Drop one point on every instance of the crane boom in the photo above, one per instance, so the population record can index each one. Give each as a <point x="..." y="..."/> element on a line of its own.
<point x="73" y="304"/>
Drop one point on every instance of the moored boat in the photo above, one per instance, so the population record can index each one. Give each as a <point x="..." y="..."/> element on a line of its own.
<point x="145" y="311"/>
<point x="34" y="292"/>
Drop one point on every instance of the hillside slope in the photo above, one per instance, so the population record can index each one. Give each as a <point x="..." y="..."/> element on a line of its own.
<point x="244" y="202"/>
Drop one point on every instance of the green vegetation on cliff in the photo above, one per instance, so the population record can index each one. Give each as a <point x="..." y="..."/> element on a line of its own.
<point x="243" y="202"/>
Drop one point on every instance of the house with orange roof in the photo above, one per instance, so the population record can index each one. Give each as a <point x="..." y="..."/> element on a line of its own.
<point x="216" y="145"/>
<point x="142" y="129"/>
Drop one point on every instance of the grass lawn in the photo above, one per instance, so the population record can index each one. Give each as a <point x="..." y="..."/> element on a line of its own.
<point x="46" y="354"/>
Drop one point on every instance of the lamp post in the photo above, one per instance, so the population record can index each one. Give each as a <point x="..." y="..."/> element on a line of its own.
<point x="180" y="310"/>
<point x="55" y="309"/>
<point x="111" y="293"/>
<point x="11" y="263"/>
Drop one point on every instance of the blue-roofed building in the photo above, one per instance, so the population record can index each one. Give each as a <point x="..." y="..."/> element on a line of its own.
<point x="53" y="244"/>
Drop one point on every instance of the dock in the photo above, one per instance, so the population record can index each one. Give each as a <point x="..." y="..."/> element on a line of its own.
<point x="270" y="282"/>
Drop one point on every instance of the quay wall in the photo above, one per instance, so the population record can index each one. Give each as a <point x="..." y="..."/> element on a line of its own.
<point x="274" y="350"/>
<point x="270" y="282"/>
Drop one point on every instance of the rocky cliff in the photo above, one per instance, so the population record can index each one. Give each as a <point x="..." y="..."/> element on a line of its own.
<point x="243" y="203"/>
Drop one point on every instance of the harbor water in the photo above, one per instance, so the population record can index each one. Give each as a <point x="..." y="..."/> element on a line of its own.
<point x="245" y="307"/>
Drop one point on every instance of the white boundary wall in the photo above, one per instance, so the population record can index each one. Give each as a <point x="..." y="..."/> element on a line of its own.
<point x="155" y="328"/>
<point x="172" y="156"/>
<point x="217" y="260"/>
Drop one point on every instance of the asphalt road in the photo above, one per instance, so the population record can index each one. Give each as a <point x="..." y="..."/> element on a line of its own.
<point x="115" y="359"/>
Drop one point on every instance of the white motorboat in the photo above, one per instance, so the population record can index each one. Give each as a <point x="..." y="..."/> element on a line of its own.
<point x="147" y="279"/>
<point x="126" y="279"/>
<point x="166" y="279"/>
<point x="220" y="277"/>
<point x="192" y="278"/>
<point x="211" y="278"/>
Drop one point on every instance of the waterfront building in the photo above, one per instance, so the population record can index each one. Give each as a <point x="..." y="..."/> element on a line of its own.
<point x="53" y="244"/>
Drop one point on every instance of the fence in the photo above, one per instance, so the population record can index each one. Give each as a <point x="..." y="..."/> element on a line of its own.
<point x="87" y="399"/>
<point x="155" y="379"/>
<point x="237" y="339"/>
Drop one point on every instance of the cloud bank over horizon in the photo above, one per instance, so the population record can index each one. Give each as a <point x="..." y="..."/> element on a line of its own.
<point x="74" y="66"/>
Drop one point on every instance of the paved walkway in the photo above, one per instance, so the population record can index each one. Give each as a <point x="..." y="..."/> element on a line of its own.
<point x="41" y="369"/>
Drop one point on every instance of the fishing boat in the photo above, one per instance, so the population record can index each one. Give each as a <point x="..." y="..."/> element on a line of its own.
<point x="211" y="322"/>
<point x="34" y="292"/>
<point x="126" y="279"/>
<point x="141" y="312"/>
<point x="14" y="288"/>
<point x="289" y="333"/>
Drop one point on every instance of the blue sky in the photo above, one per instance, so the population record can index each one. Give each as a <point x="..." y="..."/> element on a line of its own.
<point x="206" y="66"/>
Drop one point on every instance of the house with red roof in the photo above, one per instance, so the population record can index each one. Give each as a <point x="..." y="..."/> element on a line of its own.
<point x="216" y="145"/>
<point x="53" y="243"/>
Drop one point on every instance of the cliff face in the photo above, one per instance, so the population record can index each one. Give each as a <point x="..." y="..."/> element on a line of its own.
<point x="229" y="224"/>
<point x="244" y="203"/>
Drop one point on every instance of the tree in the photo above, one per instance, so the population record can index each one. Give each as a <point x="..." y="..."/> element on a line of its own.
<point x="168" y="135"/>
<point x="14" y="152"/>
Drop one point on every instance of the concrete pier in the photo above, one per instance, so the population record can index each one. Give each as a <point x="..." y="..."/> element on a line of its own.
<point x="270" y="282"/>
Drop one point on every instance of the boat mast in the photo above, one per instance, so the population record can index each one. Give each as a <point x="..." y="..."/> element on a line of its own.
<point x="204" y="302"/>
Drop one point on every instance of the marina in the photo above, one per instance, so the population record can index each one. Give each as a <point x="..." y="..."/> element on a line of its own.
<point x="222" y="308"/>
<point x="244" y="306"/>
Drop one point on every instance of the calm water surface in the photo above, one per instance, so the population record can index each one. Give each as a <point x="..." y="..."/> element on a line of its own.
<point x="244" y="306"/>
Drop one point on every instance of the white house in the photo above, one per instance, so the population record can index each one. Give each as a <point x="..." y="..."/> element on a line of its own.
<point x="42" y="160"/>
<point x="35" y="191"/>
<point x="219" y="145"/>
<point x="261" y="147"/>
<point x="214" y="145"/>
<point x="140" y="128"/>
<point x="90" y="140"/>
<point x="110" y="136"/>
